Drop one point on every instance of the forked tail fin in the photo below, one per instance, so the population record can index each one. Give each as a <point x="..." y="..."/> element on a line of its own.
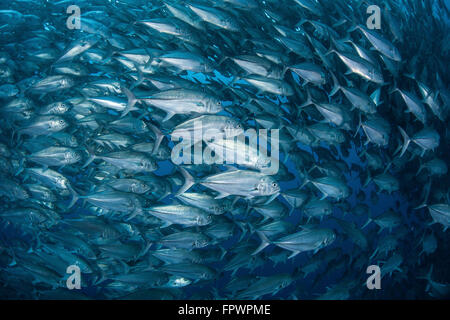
<point x="264" y="242"/>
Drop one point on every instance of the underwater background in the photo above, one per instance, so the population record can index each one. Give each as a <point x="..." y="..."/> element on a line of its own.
<point x="93" y="95"/>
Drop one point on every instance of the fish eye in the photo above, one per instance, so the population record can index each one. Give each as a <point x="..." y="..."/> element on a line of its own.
<point x="274" y="184"/>
<point x="219" y="103"/>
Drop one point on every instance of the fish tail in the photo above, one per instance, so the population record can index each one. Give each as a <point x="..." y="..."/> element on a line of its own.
<point x="21" y="166"/>
<point x="308" y="101"/>
<point x="420" y="170"/>
<point x="375" y="96"/>
<point x="223" y="60"/>
<point x="373" y="254"/>
<point x="133" y="215"/>
<point x="331" y="51"/>
<point x="75" y="196"/>
<point x="369" y="178"/>
<point x="264" y="242"/>
<point x="189" y="181"/>
<point x="145" y="249"/>
<point x="353" y="28"/>
<point x="394" y="90"/>
<point x="427" y="277"/>
<point x="336" y="85"/>
<point x="359" y="125"/>
<point x="140" y="78"/>
<point x="406" y="140"/>
<point x="388" y="166"/>
<point x="251" y="228"/>
<point x="223" y="252"/>
<point x="91" y="158"/>
<point x="229" y="85"/>
<point x="285" y="69"/>
<point x="293" y="254"/>
<point x="159" y="137"/>
<point x="422" y="205"/>
<point x="306" y="181"/>
<point x="16" y="136"/>
<point x="131" y="101"/>
<point x="241" y="226"/>
<point x="369" y="220"/>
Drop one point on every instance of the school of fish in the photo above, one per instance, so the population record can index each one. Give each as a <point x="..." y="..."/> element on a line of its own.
<point x="92" y="108"/>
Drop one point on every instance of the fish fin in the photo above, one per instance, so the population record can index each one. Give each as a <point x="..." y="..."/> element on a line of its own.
<point x="330" y="52"/>
<point x="394" y="90"/>
<point x="133" y="214"/>
<point x="230" y="168"/>
<point x="91" y="158"/>
<point x="222" y="60"/>
<point x="241" y="226"/>
<point x="223" y="252"/>
<point x="13" y="262"/>
<point x="406" y="141"/>
<point x="359" y="124"/>
<point x="428" y="275"/>
<point x="423" y="152"/>
<point x="369" y="178"/>
<point x="189" y="181"/>
<point x="373" y="254"/>
<point x="305" y="182"/>
<point x="285" y="69"/>
<point x="272" y="197"/>
<point x="369" y="220"/>
<point x="336" y="85"/>
<point x="145" y="249"/>
<point x="423" y="205"/>
<point x="309" y="100"/>
<point x="291" y="210"/>
<point x="286" y="158"/>
<point x="221" y="195"/>
<point x="21" y="167"/>
<point x="159" y="137"/>
<point x="168" y="116"/>
<point x="234" y="202"/>
<point x="353" y="28"/>
<point x="166" y="224"/>
<point x="251" y="227"/>
<point x="388" y="166"/>
<point x="131" y="102"/>
<point x="264" y="242"/>
<point x="140" y="78"/>
<point x="293" y="254"/>
<point x="75" y="196"/>
<point x="126" y="267"/>
<point x="421" y="167"/>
